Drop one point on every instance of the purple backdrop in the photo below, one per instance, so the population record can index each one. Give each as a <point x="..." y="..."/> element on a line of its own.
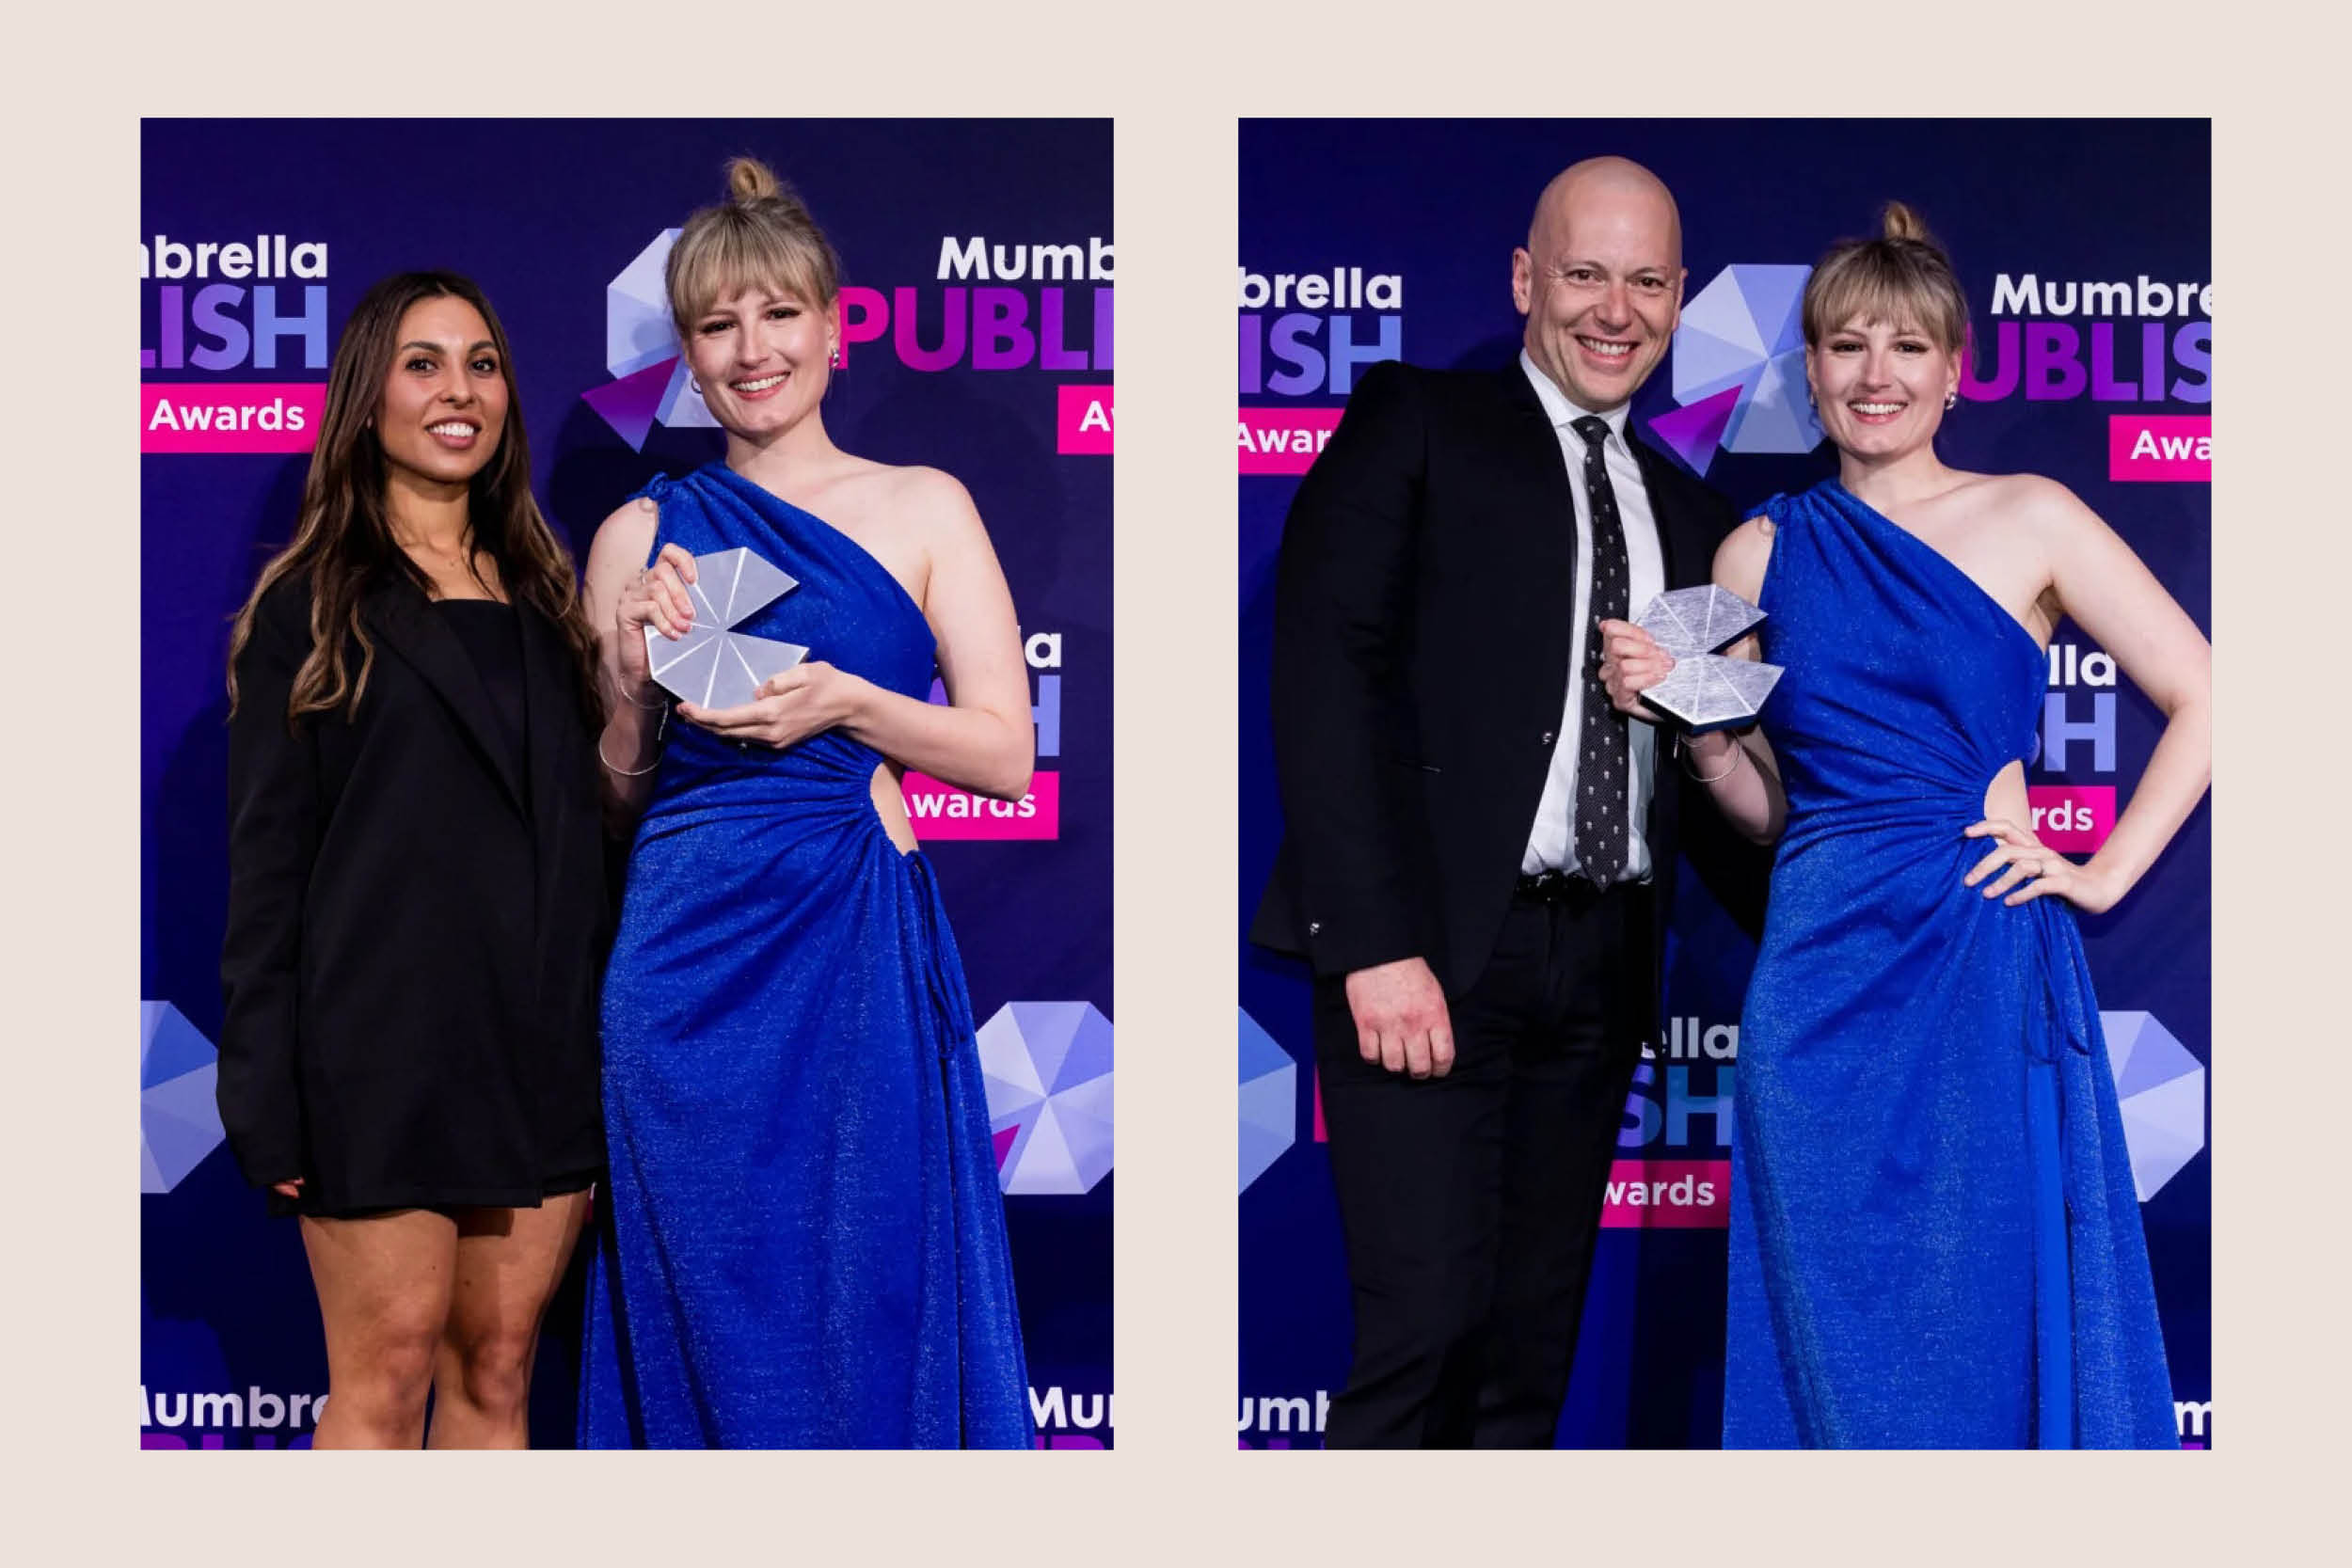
<point x="977" y="307"/>
<point x="2084" y="247"/>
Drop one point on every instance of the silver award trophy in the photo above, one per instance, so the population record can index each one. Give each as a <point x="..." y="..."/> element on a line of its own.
<point x="713" y="665"/>
<point x="1706" y="690"/>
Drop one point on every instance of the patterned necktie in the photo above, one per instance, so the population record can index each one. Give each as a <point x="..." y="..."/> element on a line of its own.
<point x="1603" y="774"/>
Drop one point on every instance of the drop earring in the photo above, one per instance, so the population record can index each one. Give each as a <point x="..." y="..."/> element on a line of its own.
<point x="1951" y="401"/>
<point x="833" y="362"/>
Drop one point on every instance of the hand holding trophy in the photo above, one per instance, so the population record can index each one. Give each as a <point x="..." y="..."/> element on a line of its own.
<point x="1667" y="661"/>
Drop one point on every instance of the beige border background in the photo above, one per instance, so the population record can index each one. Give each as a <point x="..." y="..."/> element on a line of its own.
<point x="1176" y="78"/>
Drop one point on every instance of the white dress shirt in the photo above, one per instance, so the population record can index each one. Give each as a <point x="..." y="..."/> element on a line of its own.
<point x="1552" y="844"/>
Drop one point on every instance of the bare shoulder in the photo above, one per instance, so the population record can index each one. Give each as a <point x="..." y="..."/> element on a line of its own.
<point x="625" y="536"/>
<point x="2031" y="497"/>
<point x="1740" y="559"/>
<point x="931" y="502"/>
<point x="2033" y="505"/>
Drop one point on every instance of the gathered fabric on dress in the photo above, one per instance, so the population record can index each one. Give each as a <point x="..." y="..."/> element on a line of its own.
<point x="803" y="1242"/>
<point x="1936" y="1239"/>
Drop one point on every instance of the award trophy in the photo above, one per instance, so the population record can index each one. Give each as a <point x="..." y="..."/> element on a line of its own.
<point x="1706" y="690"/>
<point x="713" y="665"/>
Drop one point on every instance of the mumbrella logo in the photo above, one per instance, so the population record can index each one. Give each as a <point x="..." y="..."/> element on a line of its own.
<point x="2194" y="1420"/>
<point x="209" y="307"/>
<point x="179" y="1120"/>
<point x="940" y="811"/>
<point x="1065" y="1419"/>
<point x="1283" y="1421"/>
<point x="1739" y="368"/>
<point x="2161" y="1088"/>
<point x="997" y="318"/>
<point x="1679" y="1107"/>
<point x="261" y="1418"/>
<point x="2076" y="736"/>
<point x="2110" y="341"/>
<point x="2138" y="340"/>
<point x="1027" y="311"/>
<point x="1047" y="1068"/>
<point x="1310" y="334"/>
<point x="1269" y="1101"/>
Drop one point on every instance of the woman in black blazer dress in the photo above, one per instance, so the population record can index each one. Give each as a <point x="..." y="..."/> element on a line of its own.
<point x="416" y="898"/>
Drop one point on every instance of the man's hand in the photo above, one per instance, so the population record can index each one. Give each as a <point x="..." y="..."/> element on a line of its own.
<point x="1400" y="1021"/>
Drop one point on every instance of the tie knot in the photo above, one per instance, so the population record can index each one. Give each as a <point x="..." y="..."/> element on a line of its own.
<point x="1593" y="428"/>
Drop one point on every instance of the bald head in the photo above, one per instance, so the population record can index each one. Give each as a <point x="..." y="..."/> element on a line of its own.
<point x="1603" y="188"/>
<point x="1600" y="280"/>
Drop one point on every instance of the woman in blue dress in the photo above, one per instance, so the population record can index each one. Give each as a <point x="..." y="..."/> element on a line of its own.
<point x="803" y="1242"/>
<point x="1935" y="1236"/>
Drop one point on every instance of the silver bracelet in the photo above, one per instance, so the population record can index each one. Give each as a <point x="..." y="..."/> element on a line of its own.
<point x="1729" y="768"/>
<point x="643" y="707"/>
<point x="659" y="730"/>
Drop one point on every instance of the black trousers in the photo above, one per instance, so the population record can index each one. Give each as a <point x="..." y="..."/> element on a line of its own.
<point x="1470" y="1202"/>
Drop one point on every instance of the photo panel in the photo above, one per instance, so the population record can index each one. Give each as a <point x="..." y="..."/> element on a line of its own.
<point x="977" y="333"/>
<point x="2084" y="251"/>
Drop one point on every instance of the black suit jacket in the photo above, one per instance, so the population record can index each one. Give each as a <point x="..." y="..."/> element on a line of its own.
<point x="1421" y="629"/>
<point x="409" y="975"/>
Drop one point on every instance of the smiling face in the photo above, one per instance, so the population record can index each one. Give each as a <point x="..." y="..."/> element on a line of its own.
<point x="762" y="358"/>
<point x="1599" y="280"/>
<point x="443" y="410"/>
<point x="1879" y="386"/>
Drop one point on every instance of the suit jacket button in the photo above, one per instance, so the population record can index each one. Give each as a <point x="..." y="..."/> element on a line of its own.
<point x="1548" y="738"/>
<point x="1315" y="927"/>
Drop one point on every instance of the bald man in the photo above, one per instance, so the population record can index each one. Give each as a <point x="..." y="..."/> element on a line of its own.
<point x="1478" y="848"/>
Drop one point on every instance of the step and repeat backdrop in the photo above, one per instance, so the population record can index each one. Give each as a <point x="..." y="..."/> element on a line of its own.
<point x="978" y="269"/>
<point x="2084" y="249"/>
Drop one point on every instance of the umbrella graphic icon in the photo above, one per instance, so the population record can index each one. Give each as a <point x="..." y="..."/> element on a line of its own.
<point x="640" y="350"/>
<point x="179" y="1122"/>
<point x="1739" y="368"/>
<point x="1269" y="1101"/>
<point x="1047" y="1068"/>
<point x="2162" y="1090"/>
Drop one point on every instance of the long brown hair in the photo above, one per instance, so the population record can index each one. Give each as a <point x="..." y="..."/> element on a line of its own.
<point x="343" y="538"/>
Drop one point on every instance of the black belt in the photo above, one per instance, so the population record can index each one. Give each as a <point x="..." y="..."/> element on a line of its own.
<point x="1561" y="887"/>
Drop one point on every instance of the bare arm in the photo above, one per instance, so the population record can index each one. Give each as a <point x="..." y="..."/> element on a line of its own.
<point x="984" y="740"/>
<point x="1737" y="767"/>
<point x="619" y="605"/>
<point x="2113" y="596"/>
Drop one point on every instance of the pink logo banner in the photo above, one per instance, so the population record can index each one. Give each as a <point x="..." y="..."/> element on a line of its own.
<point x="2076" y="818"/>
<point x="941" y="810"/>
<point x="1667" y="1194"/>
<point x="246" y="416"/>
<point x="1284" y="440"/>
<point x="1082" y="419"/>
<point x="2160" y="447"/>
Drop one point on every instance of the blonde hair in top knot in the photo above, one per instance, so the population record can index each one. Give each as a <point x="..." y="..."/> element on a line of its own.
<point x="750" y="181"/>
<point x="761" y="235"/>
<point x="1899" y="222"/>
<point x="1902" y="278"/>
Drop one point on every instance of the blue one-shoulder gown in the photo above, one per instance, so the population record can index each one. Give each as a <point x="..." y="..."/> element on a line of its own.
<point x="801" y="1243"/>
<point x="1934" y="1237"/>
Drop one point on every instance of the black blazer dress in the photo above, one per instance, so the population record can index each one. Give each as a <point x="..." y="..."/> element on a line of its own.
<point x="416" y="918"/>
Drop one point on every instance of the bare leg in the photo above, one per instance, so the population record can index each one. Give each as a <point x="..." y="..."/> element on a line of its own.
<point x="509" y="1262"/>
<point x="384" y="1294"/>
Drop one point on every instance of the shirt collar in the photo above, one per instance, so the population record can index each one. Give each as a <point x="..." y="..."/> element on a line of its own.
<point x="1561" y="410"/>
